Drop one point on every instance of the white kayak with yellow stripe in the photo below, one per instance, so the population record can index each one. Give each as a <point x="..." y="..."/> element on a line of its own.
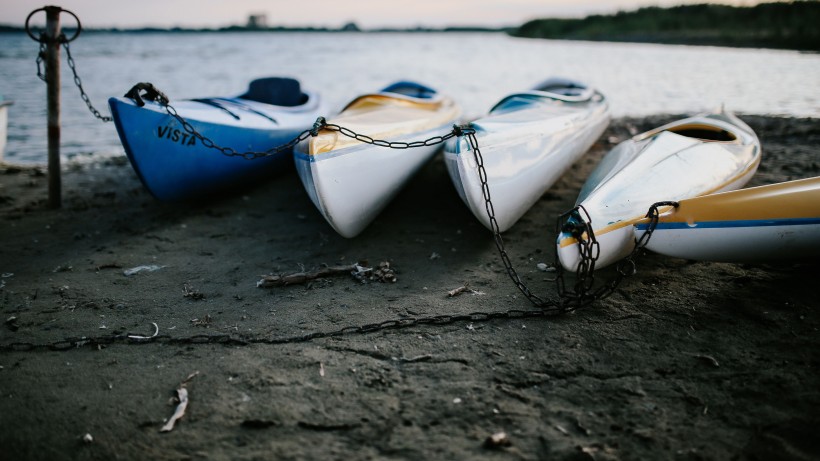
<point x="695" y="156"/>
<point x="350" y="181"/>
<point x="778" y="222"/>
<point x="527" y="141"/>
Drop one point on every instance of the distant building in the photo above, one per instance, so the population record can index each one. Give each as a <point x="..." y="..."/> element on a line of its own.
<point x="350" y="27"/>
<point x="258" y="21"/>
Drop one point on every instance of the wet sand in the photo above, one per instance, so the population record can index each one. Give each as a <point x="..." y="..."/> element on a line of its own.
<point x="686" y="360"/>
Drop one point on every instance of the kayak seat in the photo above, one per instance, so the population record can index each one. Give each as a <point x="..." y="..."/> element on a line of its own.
<point x="277" y="91"/>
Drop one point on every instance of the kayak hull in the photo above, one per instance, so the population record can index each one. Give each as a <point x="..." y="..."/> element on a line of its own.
<point x="175" y="165"/>
<point x="4" y="120"/>
<point x="351" y="182"/>
<point x="778" y="222"/>
<point x="351" y="187"/>
<point x="695" y="156"/>
<point x="525" y="150"/>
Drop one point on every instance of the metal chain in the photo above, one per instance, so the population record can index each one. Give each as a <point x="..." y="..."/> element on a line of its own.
<point x="582" y="294"/>
<point x="224" y="339"/>
<point x="41" y="56"/>
<point x="61" y="39"/>
<point x="499" y="241"/>
<point x="589" y="250"/>
<point x="79" y="83"/>
<point x="320" y="124"/>
<point x="569" y="302"/>
<point x="231" y="152"/>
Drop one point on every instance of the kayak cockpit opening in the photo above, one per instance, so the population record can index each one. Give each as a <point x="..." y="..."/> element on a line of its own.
<point x="704" y="132"/>
<point x="552" y="91"/>
<point x="412" y="89"/>
<point x="402" y="93"/>
<point x="276" y="91"/>
<point x="562" y="87"/>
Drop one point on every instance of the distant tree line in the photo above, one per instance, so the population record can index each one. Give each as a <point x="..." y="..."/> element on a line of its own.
<point x="794" y="25"/>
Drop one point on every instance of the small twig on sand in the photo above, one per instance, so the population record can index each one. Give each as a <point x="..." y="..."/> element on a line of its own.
<point x="463" y="289"/>
<point x="497" y="440"/>
<point x="269" y="281"/>
<point x="458" y="291"/>
<point x="182" y="397"/>
<point x="383" y="273"/>
<point x="156" y="332"/>
<point x="707" y="359"/>
<point x="189" y="292"/>
<point x="111" y="265"/>
<point x="179" y="412"/>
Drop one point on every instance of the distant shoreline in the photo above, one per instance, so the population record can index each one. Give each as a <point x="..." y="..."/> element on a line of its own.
<point x="791" y="26"/>
<point x="6" y="28"/>
<point x="645" y="39"/>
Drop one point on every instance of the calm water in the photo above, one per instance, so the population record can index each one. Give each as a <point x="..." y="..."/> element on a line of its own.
<point x="477" y="69"/>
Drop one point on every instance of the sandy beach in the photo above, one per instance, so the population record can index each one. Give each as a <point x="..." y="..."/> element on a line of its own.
<point x="685" y="361"/>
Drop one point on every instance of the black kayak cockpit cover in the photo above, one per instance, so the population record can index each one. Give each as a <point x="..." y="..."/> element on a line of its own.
<point x="278" y="91"/>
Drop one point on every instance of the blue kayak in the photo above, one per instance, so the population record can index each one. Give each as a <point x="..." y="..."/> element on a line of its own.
<point x="175" y="165"/>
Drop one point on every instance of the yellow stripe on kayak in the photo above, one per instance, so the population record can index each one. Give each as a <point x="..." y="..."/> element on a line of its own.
<point x="384" y="117"/>
<point x="793" y="199"/>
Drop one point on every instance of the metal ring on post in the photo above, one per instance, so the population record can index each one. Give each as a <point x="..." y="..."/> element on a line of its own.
<point x="63" y="40"/>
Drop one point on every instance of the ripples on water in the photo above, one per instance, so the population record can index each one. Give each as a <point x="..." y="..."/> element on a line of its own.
<point x="476" y="68"/>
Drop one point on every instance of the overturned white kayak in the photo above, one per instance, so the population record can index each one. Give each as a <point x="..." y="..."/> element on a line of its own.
<point x="683" y="159"/>
<point x="4" y="120"/>
<point x="778" y="222"/>
<point x="349" y="181"/>
<point x="527" y="141"/>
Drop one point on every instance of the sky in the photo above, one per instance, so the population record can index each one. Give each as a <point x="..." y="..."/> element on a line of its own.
<point x="327" y="13"/>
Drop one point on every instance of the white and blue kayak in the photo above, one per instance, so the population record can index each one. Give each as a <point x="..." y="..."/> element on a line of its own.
<point x="696" y="156"/>
<point x="350" y="181"/>
<point x="527" y="141"/>
<point x="173" y="164"/>
<point x="778" y="222"/>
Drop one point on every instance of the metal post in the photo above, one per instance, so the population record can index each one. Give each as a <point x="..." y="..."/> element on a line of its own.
<point x="53" y="97"/>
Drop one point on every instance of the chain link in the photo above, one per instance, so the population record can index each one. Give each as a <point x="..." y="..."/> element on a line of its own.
<point x="320" y="124"/>
<point x="228" y="340"/>
<point x="41" y="55"/>
<point x="229" y="151"/>
<point x="551" y="306"/>
<point x="589" y="250"/>
<point x="583" y="293"/>
<point x="79" y="84"/>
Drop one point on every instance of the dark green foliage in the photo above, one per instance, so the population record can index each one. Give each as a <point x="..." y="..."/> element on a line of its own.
<point x="794" y="25"/>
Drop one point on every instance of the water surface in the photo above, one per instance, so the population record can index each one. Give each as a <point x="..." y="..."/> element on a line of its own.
<point x="475" y="68"/>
